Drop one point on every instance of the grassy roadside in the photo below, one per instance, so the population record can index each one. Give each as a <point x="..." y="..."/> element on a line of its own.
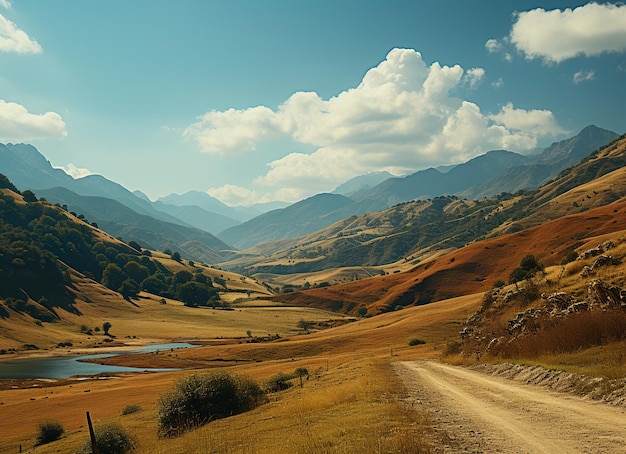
<point x="356" y="406"/>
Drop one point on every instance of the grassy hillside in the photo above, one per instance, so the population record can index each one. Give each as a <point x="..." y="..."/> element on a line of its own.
<point x="407" y="231"/>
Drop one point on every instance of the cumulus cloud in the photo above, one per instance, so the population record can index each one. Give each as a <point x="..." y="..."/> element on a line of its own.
<point x="400" y="118"/>
<point x="536" y="122"/>
<point x="14" y="40"/>
<point x="6" y="4"/>
<point x="556" y="35"/>
<point x="474" y="77"/>
<point x="234" y="130"/>
<point x="582" y="76"/>
<point x="17" y="124"/>
<point x="232" y="195"/>
<point x="76" y="172"/>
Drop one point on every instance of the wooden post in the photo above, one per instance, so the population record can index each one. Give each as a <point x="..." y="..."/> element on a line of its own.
<point x="92" y="435"/>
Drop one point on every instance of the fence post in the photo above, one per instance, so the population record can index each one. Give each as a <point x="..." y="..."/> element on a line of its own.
<point x="92" y="435"/>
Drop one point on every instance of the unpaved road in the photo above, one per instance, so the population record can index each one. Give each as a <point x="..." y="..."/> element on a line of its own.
<point x="477" y="413"/>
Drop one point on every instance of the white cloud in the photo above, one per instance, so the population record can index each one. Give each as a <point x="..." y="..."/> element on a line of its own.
<point x="498" y="83"/>
<point x="12" y="39"/>
<point x="582" y="76"/>
<point x="6" y="4"/>
<point x="233" y="130"/>
<point x="536" y="122"/>
<point x="493" y="46"/>
<point x="76" y="172"/>
<point x="556" y="35"/>
<point x="474" y="77"/>
<point x="19" y="125"/>
<point x="400" y="118"/>
<point x="236" y="195"/>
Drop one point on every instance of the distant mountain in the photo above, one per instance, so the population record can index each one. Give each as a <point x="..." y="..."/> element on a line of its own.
<point x="213" y="205"/>
<point x="412" y="230"/>
<point x="27" y="168"/>
<point x="543" y="166"/>
<point x="431" y="182"/>
<point x="361" y="182"/>
<point x="120" y="221"/>
<point x="298" y="219"/>
<point x="198" y="217"/>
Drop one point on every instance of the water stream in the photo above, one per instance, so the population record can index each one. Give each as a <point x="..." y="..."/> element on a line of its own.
<point x="60" y="367"/>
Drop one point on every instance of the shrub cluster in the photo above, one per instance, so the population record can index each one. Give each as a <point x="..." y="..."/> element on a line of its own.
<point x="49" y="431"/>
<point x="110" y="439"/>
<point x="197" y="399"/>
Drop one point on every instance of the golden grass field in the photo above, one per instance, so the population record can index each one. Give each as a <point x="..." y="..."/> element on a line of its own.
<point x="351" y="399"/>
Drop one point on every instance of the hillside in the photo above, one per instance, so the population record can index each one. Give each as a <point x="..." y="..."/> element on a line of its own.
<point x="543" y="166"/>
<point x="45" y="250"/>
<point x="407" y="231"/>
<point x="295" y="220"/>
<point x="120" y="221"/>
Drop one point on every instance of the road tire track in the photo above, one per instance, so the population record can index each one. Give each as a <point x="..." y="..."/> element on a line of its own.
<point x="478" y="413"/>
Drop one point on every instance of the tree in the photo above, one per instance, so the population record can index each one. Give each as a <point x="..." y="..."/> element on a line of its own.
<point x="529" y="266"/>
<point x="301" y="372"/>
<point x="136" y="271"/>
<point x="113" y="276"/>
<point x="29" y="196"/>
<point x="193" y="294"/>
<point x="106" y="326"/>
<point x="129" y="288"/>
<point x="305" y="324"/>
<point x="175" y="256"/>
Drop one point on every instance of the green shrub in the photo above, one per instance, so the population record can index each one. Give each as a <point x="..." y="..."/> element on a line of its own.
<point x="416" y="341"/>
<point x="278" y="382"/>
<point x="128" y="409"/>
<point x="197" y="399"/>
<point x="49" y="431"/>
<point x="111" y="439"/>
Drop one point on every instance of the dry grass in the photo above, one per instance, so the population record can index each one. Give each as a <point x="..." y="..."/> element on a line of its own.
<point x="355" y="407"/>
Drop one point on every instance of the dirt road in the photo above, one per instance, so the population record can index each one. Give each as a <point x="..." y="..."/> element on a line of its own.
<point x="478" y="413"/>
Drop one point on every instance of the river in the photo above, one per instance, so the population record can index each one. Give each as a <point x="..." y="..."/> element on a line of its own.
<point x="60" y="367"/>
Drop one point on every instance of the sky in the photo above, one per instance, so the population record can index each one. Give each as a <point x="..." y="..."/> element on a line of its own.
<point x="257" y="101"/>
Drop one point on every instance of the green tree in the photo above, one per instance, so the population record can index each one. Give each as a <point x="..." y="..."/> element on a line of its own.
<point x="113" y="276"/>
<point x="529" y="266"/>
<point x="136" y="271"/>
<point x="301" y="372"/>
<point x="193" y="294"/>
<point x="129" y="288"/>
<point x="106" y="326"/>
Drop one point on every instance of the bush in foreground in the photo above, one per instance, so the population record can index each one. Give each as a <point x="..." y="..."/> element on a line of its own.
<point x="49" y="431"/>
<point x="110" y="439"/>
<point x="416" y="341"/>
<point x="198" y="399"/>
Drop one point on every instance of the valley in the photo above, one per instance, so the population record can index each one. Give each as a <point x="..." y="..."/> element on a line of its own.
<point x="387" y="311"/>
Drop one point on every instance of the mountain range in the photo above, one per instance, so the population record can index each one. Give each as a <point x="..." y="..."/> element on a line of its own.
<point x="205" y="229"/>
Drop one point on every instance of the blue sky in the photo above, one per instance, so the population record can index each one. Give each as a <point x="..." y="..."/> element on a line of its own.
<point x="279" y="100"/>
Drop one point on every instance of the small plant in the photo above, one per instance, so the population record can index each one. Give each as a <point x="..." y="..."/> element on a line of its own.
<point x="499" y="283"/>
<point x="305" y="325"/>
<point x="128" y="409"/>
<point x="110" y="439"/>
<point x="277" y="382"/>
<point x="416" y="341"/>
<point x="49" y="431"/>
<point x="198" y="399"/>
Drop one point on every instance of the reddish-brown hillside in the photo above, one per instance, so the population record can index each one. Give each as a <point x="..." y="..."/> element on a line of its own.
<point x="471" y="269"/>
